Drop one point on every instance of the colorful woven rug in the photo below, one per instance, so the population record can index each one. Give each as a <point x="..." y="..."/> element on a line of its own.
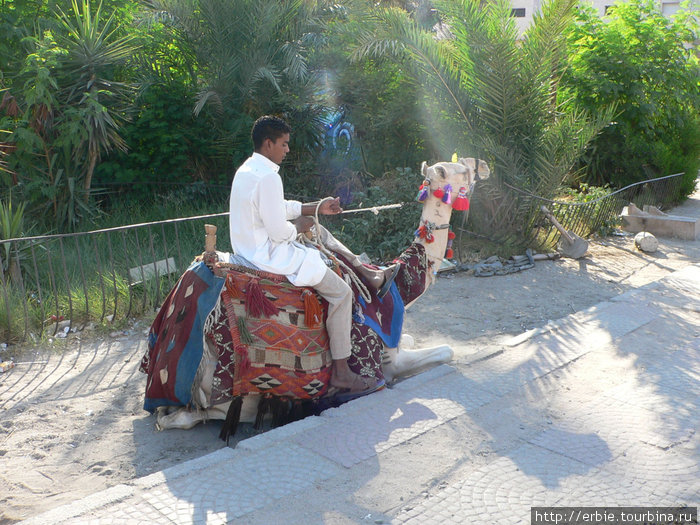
<point x="264" y="334"/>
<point x="175" y="338"/>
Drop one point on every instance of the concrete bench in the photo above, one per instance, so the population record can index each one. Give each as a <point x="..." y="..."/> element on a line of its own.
<point x="139" y="274"/>
<point x="658" y="223"/>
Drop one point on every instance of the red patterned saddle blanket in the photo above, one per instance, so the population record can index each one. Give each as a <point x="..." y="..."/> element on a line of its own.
<point x="265" y="335"/>
<point x="269" y="338"/>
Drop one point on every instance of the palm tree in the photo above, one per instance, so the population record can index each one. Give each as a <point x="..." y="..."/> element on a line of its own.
<point x="494" y="95"/>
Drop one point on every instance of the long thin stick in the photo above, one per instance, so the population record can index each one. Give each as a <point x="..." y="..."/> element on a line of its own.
<point x="373" y="209"/>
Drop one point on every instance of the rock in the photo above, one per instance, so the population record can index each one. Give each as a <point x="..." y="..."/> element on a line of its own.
<point x="653" y="210"/>
<point x="63" y="326"/>
<point x="646" y="242"/>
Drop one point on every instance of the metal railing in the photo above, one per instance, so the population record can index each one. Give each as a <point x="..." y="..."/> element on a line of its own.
<point x="52" y="284"/>
<point x="584" y="218"/>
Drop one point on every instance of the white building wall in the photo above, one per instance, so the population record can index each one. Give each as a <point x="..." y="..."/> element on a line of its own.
<point x="668" y="7"/>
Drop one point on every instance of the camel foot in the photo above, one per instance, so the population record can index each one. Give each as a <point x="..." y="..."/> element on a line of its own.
<point x="181" y="418"/>
<point x="399" y="362"/>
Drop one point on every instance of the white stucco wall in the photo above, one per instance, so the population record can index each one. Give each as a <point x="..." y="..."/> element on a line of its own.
<point x="668" y="7"/>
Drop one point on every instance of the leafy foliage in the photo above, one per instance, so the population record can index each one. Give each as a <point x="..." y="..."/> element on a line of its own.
<point x="166" y="145"/>
<point x="381" y="97"/>
<point x="251" y="60"/>
<point x="385" y="235"/>
<point x="639" y="60"/>
<point x="69" y="111"/>
<point x="496" y="97"/>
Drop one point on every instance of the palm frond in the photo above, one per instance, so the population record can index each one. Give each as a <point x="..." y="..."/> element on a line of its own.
<point x="392" y="33"/>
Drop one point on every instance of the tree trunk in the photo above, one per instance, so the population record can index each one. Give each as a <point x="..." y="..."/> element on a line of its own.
<point x="88" y="175"/>
<point x="14" y="271"/>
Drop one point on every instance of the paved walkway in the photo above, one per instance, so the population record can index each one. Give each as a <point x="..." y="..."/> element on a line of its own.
<point x="597" y="409"/>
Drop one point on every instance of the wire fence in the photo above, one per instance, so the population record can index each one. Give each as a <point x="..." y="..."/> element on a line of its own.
<point x="581" y="218"/>
<point x="53" y="284"/>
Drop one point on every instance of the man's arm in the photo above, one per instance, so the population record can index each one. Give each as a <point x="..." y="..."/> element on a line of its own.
<point x="273" y="210"/>
<point x="328" y="207"/>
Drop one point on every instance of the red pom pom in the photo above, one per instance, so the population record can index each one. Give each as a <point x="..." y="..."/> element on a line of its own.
<point x="451" y="235"/>
<point x="439" y="193"/>
<point x="460" y="204"/>
<point x="449" y="254"/>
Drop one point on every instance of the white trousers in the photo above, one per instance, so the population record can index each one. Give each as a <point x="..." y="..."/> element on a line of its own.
<point x="339" y="321"/>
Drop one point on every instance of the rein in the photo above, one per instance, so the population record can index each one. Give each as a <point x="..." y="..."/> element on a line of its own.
<point x="349" y="275"/>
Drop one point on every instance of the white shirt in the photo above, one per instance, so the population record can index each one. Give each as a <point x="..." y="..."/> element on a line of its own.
<point x="260" y="228"/>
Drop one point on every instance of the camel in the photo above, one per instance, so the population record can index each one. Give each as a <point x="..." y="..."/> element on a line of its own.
<point x="208" y="394"/>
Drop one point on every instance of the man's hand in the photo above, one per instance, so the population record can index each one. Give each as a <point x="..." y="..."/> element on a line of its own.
<point x="303" y="224"/>
<point x="330" y="207"/>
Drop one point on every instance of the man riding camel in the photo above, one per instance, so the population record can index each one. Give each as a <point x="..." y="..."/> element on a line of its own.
<point x="261" y="232"/>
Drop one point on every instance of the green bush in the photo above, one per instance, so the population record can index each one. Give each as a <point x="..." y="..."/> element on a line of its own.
<point x="166" y="144"/>
<point x="639" y="60"/>
<point x="385" y="235"/>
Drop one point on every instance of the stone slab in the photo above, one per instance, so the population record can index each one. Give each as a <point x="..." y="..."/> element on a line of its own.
<point x="687" y="228"/>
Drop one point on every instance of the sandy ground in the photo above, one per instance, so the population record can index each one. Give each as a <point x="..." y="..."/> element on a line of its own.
<point x="72" y="421"/>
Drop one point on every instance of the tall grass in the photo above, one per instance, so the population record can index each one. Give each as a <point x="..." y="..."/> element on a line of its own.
<point x="85" y="278"/>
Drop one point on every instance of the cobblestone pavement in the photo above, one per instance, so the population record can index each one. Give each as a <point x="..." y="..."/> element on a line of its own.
<point x="597" y="409"/>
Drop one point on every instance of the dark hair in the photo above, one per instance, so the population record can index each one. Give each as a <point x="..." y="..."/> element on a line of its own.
<point x="268" y="127"/>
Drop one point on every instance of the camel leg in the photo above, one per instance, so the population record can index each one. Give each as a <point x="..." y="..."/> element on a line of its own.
<point x="184" y="418"/>
<point x="400" y="362"/>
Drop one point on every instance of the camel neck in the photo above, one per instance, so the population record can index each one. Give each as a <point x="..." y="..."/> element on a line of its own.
<point x="433" y="234"/>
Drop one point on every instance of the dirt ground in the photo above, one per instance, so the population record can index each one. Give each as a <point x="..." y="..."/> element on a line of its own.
<point x="72" y="421"/>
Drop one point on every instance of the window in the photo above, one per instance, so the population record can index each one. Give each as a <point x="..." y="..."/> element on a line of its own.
<point x="518" y="12"/>
<point x="669" y="8"/>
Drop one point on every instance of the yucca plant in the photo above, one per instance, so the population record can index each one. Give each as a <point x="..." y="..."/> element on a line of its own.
<point x="494" y="95"/>
<point x="11" y="226"/>
<point x="97" y="102"/>
<point x="67" y="112"/>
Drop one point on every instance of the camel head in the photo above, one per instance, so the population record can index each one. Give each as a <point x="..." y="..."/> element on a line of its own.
<point x="460" y="174"/>
<point x="446" y="186"/>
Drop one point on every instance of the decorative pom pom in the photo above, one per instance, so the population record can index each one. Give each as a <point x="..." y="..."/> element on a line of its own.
<point x="256" y="303"/>
<point x="439" y="193"/>
<point x="449" y="254"/>
<point x="424" y="233"/>
<point x="447" y="197"/>
<point x="451" y="235"/>
<point x="461" y="203"/>
<point x="313" y="312"/>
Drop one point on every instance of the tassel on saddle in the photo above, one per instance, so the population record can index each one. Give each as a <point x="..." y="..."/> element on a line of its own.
<point x="233" y="416"/>
<point x="313" y="311"/>
<point x="256" y="303"/>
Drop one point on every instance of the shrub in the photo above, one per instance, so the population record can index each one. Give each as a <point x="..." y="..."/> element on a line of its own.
<point x="639" y="60"/>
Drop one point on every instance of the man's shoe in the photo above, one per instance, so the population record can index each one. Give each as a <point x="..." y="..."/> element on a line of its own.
<point x="347" y="395"/>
